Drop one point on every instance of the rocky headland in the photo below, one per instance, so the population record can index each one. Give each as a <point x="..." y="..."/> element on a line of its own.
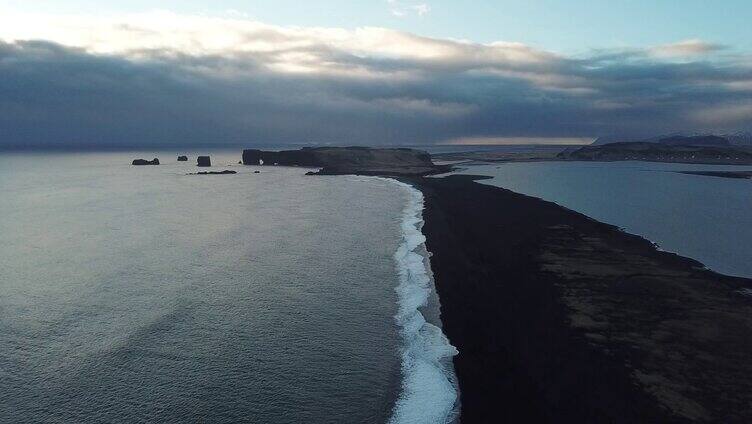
<point x="349" y="160"/>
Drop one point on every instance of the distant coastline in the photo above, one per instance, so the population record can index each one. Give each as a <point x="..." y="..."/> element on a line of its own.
<point x="661" y="152"/>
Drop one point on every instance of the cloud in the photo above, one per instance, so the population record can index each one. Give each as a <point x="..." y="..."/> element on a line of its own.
<point x="421" y="9"/>
<point x="402" y="9"/>
<point x="725" y="115"/>
<point x="162" y="78"/>
<point x="686" y="48"/>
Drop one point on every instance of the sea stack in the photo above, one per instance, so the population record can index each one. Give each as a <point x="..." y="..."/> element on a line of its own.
<point x="182" y="158"/>
<point x="145" y="162"/>
<point x="203" y="161"/>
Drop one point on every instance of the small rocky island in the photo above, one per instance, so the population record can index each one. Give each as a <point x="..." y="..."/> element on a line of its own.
<point x="350" y="160"/>
<point x="182" y="158"/>
<point x="225" y="172"/>
<point x="203" y="161"/>
<point x="155" y="161"/>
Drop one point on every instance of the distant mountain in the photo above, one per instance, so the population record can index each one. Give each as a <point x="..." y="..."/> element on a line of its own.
<point x="694" y="139"/>
<point x="665" y="152"/>
<point x="610" y="139"/>
<point x="740" y="138"/>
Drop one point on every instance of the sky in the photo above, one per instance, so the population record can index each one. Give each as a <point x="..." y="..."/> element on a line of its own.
<point x="120" y="73"/>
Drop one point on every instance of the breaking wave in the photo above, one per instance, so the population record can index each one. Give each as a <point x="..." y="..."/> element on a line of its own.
<point x="429" y="391"/>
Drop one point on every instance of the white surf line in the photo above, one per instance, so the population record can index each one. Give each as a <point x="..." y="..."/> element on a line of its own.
<point x="429" y="391"/>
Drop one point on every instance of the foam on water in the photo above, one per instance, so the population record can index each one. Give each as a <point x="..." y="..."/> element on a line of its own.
<point x="429" y="390"/>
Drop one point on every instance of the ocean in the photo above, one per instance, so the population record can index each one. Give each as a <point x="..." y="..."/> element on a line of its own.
<point x="700" y="217"/>
<point x="142" y="294"/>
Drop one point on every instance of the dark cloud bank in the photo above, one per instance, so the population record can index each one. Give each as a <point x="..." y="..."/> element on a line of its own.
<point x="55" y="96"/>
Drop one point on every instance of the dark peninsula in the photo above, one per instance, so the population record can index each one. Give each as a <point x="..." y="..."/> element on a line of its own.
<point x="744" y="175"/>
<point x="560" y="318"/>
<point x="349" y="160"/>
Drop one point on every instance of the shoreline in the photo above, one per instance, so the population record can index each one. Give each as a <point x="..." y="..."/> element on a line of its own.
<point x="559" y="317"/>
<point x="428" y="390"/>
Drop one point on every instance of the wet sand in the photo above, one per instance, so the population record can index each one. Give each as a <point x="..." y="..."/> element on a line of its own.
<point x="560" y="318"/>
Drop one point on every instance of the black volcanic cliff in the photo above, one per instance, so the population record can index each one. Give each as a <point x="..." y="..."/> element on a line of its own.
<point x="349" y="160"/>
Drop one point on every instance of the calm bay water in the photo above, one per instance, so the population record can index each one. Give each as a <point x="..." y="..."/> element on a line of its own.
<point x="704" y="218"/>
<point x="135" y="294"/>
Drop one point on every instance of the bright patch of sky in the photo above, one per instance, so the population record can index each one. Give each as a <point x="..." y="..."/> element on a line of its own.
<point x="562" y="26"/>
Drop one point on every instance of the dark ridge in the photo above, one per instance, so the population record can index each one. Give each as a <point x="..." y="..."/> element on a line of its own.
<point x="661" y="152"/>
<point x="696" y="140"/>
<point x="737" y="138"/>
<point x="349" y="160"/>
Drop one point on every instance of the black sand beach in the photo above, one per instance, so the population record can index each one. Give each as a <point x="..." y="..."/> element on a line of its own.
<point x="743" y="175"/>
<point x="560" y="318"/>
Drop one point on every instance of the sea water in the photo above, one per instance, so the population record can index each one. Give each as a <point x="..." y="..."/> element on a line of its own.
<point x="142" y="294"/>
<point x="705" y="218"/>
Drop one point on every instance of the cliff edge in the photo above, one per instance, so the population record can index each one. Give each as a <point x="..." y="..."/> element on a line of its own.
<point x="349" y="160"/>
